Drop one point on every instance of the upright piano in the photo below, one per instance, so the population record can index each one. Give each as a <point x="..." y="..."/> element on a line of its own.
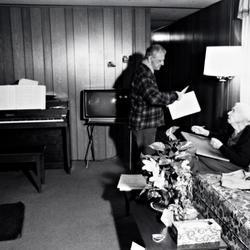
<point x="49" y="127"/>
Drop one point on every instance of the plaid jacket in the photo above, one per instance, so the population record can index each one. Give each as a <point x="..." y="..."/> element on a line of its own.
<point x="147" y="101"/>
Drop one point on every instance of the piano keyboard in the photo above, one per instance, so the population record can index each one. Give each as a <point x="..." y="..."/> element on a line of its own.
<point x="31" y="121"/>
<point x="56" y="112"/>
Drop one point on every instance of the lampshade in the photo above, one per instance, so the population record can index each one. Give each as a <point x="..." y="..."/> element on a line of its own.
<point x="222" y="61"/>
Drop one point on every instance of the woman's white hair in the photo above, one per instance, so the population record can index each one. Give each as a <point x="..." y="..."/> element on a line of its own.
<point x="244" y="109"/>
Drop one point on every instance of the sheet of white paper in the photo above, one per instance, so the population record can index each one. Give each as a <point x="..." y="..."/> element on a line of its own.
<point x="24" y="81"/>
<point x="203" y="147"/>
<point x="186" y="106"/>
<point x="17" y="97"/>
<point x="167" y="217"/>
<point x="135" y="246"/>
<point x="185" y="89"/>
<point x="129" y="182"/>
<point x="235" y="183"/>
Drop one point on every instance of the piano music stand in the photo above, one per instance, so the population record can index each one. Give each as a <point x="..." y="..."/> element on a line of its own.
<point x="90" y="146"/>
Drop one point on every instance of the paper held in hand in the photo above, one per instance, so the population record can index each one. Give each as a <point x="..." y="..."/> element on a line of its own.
<point x="186" y="106"/>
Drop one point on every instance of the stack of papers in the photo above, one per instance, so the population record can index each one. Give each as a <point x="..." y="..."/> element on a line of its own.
<point x="236" y="180"/>
<point x="130" y="182"/>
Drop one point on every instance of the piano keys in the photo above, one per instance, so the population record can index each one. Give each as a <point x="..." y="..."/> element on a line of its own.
<point x="30" y="121"/>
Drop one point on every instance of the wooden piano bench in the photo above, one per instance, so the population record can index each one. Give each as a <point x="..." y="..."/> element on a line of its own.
<point x="34" y="155"/>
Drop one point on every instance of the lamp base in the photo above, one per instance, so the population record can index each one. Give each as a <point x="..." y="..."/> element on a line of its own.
<point x="224" y="78"/>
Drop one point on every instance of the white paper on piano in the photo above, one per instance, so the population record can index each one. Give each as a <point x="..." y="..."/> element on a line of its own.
<point x="129" y="182"/>
<point x="25" y="81"/>
<point x="17" y="97"/>
<point x="186" y="106"/>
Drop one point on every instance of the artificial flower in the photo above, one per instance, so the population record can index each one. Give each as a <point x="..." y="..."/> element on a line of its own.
<point x="170" y="174"/>
<point x="158" y="180"/>
<point x="149" y="165"/>
<point x="185" y="165"/>
<point x="159" y="146"/>
<point x="170" y="133"/>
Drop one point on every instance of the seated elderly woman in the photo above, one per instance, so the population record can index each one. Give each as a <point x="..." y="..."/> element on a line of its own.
<point x="234" y="144"/>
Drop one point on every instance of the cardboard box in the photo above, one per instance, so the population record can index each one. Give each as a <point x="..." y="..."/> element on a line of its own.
<point x="16" y="97"/>
<point x="190" y="232"/>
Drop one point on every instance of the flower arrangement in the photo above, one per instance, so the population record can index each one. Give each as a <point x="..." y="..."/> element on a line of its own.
<point x="169" y="176"/>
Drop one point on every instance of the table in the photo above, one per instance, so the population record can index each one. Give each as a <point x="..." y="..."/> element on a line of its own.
<point x="148" y="223"/>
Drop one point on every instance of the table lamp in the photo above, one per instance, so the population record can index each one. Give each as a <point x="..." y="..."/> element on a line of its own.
<point x="222" y="62"/>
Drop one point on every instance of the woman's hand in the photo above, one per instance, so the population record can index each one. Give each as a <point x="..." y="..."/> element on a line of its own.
<point x="216" y="143"/>
<point x="200" y="130"/>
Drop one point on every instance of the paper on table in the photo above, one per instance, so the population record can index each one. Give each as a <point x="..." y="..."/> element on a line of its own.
<point x="135" y="246"/>
<point x="235" y="183"/>
<point x="186" y="106"/>
<point x="129" y="182"/>
<point x="236" y="180"/>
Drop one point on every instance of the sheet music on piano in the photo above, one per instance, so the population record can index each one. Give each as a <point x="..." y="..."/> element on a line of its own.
<point x="24" y="81"/>
<point x="18" y="97"/>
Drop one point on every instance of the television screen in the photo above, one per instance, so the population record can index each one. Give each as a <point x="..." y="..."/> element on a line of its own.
<point x="105" y="105"/>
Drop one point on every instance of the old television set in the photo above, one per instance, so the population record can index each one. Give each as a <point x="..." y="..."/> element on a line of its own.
<point x="105" y="105"/>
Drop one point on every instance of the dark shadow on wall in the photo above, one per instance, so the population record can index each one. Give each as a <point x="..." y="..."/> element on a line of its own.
<point x="126" y="77"/>
<point x="120" y="132"/>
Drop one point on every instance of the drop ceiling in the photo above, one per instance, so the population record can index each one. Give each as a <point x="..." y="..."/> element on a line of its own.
<point x="163" y="12"/>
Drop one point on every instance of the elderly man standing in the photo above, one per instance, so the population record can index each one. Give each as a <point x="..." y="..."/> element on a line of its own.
<point x="146" y="113"/>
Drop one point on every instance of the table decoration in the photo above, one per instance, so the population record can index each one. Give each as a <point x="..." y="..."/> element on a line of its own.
<point x="169" y="177"/>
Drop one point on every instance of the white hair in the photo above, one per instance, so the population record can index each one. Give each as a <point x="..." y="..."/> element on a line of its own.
<point x="244" y="109"/>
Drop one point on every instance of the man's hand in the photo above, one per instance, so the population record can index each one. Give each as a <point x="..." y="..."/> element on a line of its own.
<point x="216" y="143"/>
<point x="200" y="130"/>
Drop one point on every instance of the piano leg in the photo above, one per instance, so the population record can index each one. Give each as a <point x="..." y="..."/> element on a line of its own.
<point x="66" y="150"/>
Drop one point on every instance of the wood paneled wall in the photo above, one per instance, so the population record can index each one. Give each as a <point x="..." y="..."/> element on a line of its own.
<point x="67" y="49"/>
<point x="212" y="26"/>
